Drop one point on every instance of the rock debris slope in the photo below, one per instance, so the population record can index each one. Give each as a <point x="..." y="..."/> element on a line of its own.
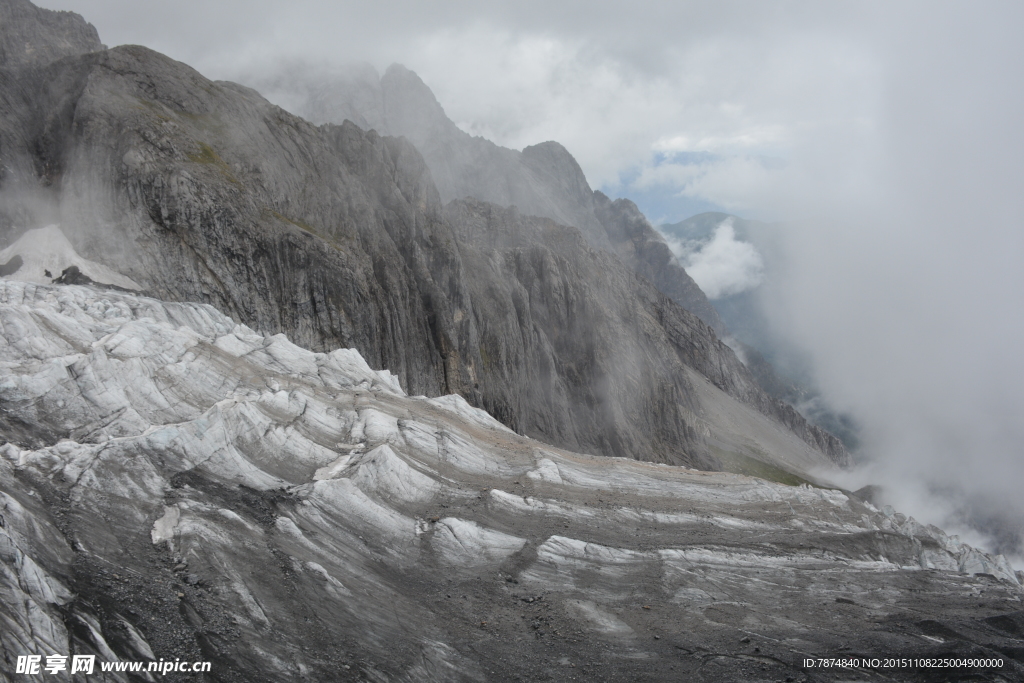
<point x="44" y="254"/>
<point x="203" y="191"/>
<point x="191" y="489"/>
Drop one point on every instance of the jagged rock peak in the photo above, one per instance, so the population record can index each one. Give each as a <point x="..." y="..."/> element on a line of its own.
<point x="410" y="101"/>
<point x="542" y="180"/>
<point x="554" y="164"/>
<point x="33" y="36"/>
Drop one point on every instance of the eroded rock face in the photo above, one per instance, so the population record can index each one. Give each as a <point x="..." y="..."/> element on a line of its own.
<point x="542" y="180"/>
<point x="202" y="191"/>
<point x="209" y="493"/>
<point x="591" y="317"/>
<point x="644" y="250"/>
<point x="32" y="36"/>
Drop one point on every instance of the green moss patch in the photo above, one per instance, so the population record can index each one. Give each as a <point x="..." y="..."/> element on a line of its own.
<point x="153" y="108"/>
<point x="751" y="467"/>
<point x="306" y="227"/>
<point x="208" y="156"/>
<point x="299" y="224"/>
<point x="485" y="356"/>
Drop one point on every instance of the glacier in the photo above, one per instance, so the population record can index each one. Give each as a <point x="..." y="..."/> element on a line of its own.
<point x="179" y="485"/>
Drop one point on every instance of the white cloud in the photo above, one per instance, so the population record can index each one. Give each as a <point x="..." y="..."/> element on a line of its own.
<point x="723" y="265"/>
<point x="741" y="184"/>
<point x="613" y="84"/>
<point x="717" y="94"/>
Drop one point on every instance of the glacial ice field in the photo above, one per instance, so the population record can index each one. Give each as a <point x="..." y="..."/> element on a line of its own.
<point x="178" y="485"/>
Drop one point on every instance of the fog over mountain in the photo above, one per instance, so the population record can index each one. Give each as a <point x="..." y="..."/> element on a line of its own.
<point x="281" y="366"/>
<point x="722" y="265"/>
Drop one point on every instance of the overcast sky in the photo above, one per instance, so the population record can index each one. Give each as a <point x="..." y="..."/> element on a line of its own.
<point x="887" y="134"/>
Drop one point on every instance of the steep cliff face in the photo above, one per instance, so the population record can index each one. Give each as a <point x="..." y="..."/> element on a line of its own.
<point x="30" y="35"/>
<point x="542" y="180"/>
<point x="585" y="343"/>
<point x="592" y="316"/>
<point x="644" y="250"/>
<point x="203" y="191"/>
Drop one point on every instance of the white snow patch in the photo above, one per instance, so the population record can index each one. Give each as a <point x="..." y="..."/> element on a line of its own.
<point x="287" y="526"/>
<point x="375" y="426"/>
<point x="389" y="383"/>
<point x="351" y="507"/>
<point x="335" y="586"/>
<point x="230" y="343"/>
<point x="547" y="471"/>
<point x="468" y="544"/>
<point x="47" y="249"/>
<point x="138" y="642"/>
<point x="458" y="405"/>
<point x="334" y="469"/>
<point x="603" y="621"/>
<point x="165" y="527"/>
<point x="384" y="472"/>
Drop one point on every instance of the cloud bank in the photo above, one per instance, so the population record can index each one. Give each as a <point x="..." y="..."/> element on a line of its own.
<point x="723" y="265"/>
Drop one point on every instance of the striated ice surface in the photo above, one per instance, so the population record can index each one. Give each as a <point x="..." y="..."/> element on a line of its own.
<point x="251" y="495"/>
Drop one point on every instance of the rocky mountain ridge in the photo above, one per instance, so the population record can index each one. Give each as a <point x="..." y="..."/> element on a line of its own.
<point x="541" y="180"/>
<point x="203" y="191"/>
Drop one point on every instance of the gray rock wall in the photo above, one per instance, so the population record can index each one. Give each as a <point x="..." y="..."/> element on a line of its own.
<point x="204" y="191"/>
<point x="542" y="180"/>
<point x="30" y="35"/>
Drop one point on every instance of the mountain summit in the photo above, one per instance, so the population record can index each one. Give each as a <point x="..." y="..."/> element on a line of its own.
<point x="30" y="35"/>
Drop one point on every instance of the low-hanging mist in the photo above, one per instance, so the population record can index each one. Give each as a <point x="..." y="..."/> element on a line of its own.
<point x="904" y="274"/>
<point x="723" y="265"/>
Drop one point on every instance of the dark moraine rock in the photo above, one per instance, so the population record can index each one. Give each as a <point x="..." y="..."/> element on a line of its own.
<point x="12" y="266"/>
